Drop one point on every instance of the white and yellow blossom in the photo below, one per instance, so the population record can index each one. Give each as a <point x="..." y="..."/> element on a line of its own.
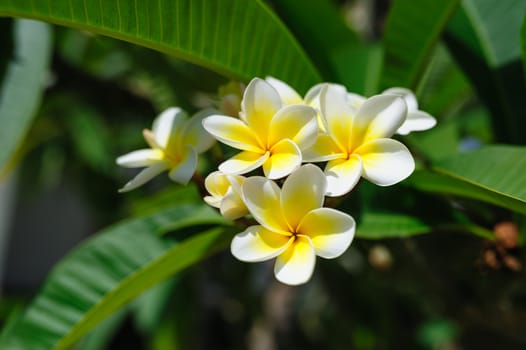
<point x="416" y="120"/>
<point x="293" y="225"/>
<point x="225" y="194"/>
<point x="175" y="141"/>
<point x="267" y="133"/>
<point x="357" y="142"/>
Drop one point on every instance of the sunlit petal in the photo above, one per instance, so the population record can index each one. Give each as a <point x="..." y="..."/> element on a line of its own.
<point x="243" y="162"/>
<point x="337" y="113"/>
<point x="342" y="175"/>
<point x="168" y="126"/>
<point x="416" y="121"/>
<point x="232" y="206"/>
<point x="262" y="198"/>
<point x="233" y="132"/>
<point x="195" y="135"/>
<point x="288" y="95"/>
<point x="386" y="161"/>
<point x="378" y="117"/>
<point x="217" y="184"/>
<point x="296" y="264"/>
<point x="330" y="231"/>
<point x="355" y="100"/>
<point x="284" y="158"/>
<point x="303" y="191"/>
<point x="260" y="102"/>
<point x="140" y="158"/>
<point x="258" y="244"/>
<point x="297" y="123"/>
<point x="144" y="176"/>
<point x="323" y="149"/>
<point x="183" y="171"/>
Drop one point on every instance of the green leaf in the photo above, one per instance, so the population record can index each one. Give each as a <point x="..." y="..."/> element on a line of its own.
<point x="523" y="45"/>
<point x="493" y="174"/>
<point x="412" y="29"/>
<point x="102" y="275"/>
<point x="238" y="38"/>
<point x="484" y="38"/>
<point x="387" y="225"/>
<point x="21" y="88"/>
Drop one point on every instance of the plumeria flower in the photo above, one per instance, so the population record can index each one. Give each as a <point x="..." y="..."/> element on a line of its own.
<point x="225" y="194"/>
<point x="416" y="120"/>
<point x="293" y="225"/>
<point x="289" y="96"/>
<point x="357" y="142"/>
<point x="267" y="133"/>
<point x="175" y="141"/>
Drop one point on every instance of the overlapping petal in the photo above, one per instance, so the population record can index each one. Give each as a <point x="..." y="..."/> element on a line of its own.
<point x="297" y="123"/>
<point x="194" y="133"/>
<point x="330" y="231"/>
<point x="386" y="161"/>
<point x="288" y="95"/>
<point x="338" y="115"/>
<point x="284" y="158"/>
<point x="233" y="132"/>
<point x="302" y="191"/>
<point x="342" y="175"/>
<point x="260" y="103"/>
<point x="243" y="162"/>
<point x="232" y="206"/>
<point x="417" y="121"/>
<point x="168" y="126"/>
<point x="262" y="198"/>
<point x="183" y="170"/>
<point x="323" y="149"/>
<point x="257" y="243"/>
<point x="295" y="265"/>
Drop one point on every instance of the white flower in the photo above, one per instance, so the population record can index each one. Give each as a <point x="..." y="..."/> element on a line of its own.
<point x="225" y="194"/>
<point x="175" y="141"/>
<point x="294" y="226"/>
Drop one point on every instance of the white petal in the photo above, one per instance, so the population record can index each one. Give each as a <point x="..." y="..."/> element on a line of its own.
<point x="323" y="149"/>
<point x="258" y="244"/>
<point x="337" y="113"/>
<point x="284" y="158"/>
<point x="182" y="172"/>
<point x="217" y="184"/>
<point x="416" y="121"/>
<point x="386" y="161"/>
<point x="407" y="95"/>
<point x="167" y="127"/>
<point x="140" y="158"/>
<point x="312" y="97"/>
<point x="296" y="264"/>
<point x="233" y="132"/>
<point x="355" y="100"/>
<point x="232" y="206"/>
<point x="380" y="116"/>
<point x="288" y="95"/>
<point x="144" y="176"/>
<point x="297" y="123"/>
<point x="260" y="102"/>
<point x="330" y="231"/>
<point x="303" y="191"/>
<point x="342" y="175"/>
<point x="195" y="135"/>
<point x="243" y="162"/>
<point x="262" y="198"/>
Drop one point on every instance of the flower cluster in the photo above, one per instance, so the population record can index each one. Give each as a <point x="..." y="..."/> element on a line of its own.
<point x="279" y="131"/>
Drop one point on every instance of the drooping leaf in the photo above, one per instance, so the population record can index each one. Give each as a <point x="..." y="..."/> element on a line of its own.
<point x="102" y="275"/>
<point x="493" y="174"/>
<point x="23" y="83"/>
<point x="219" y="35"/>
<point x="412" y="29"/>
<point x="484" y="38"/>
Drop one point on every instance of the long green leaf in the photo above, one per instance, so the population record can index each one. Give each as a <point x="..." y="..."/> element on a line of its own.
<point x="103" y="275"/>
<point x="493" y="174"/>
<point x="388" y="225"/>
<point x="411" y="32"/>
<point x="523" y="45"/>
<point x="238" y="38"/>
<point x="484" y="38"/>
<point x="23" y="83"/>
